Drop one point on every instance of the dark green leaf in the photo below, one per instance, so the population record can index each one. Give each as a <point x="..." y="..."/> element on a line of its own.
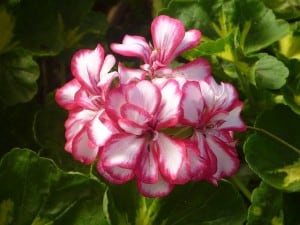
<point x="36" y="192"/>
<point x="284" y="9"/>
<point x="189" y="204"/>
<point x="39" y="26"/>
<point x="291" y="90"/>
<point x="273" y="152"/>
<point x="201" y="203"/>
<point x="18" y="75"/>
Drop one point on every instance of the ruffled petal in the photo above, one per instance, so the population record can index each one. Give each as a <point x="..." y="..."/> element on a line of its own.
<point x="192" y="103"/>
<point x="65" y="95"/>
<point x="199" y="69"/>
<point x="82" y="149"/>
<point x="132" y="45"/>
<point x="229" y="120"/>
<point x="171" y="154"/>
<point x="85" y="101"/>
<point x="114" y="101"/>
<point x="159" y="189"/>
<point x="122" y="150"/>
<point x="144" y="94"/>
<point x="100" y="129"/>
<point x="226" y="158"/>
<point x="167" y="34"/>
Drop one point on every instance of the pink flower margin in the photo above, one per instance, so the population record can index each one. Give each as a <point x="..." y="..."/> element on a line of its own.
<point x="133" y="126"/>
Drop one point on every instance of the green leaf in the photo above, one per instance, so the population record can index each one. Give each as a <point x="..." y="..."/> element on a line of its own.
<point x="270" y="73"/>
<point x="18" y="75"/>
<point x="37" y="192"/>
<point x="189" y="204"/>
<point x="258" y="25"/>
<point x="273" y="151"/>
<point x="48" y="129"/>
<point x="266" y="207"/>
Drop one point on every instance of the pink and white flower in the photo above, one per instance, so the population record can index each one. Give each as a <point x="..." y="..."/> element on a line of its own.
<point x="141" y="150"/>
<point x="213" y="110"/>
<point x="169" y="40"/>
<point x="87" y="127"/>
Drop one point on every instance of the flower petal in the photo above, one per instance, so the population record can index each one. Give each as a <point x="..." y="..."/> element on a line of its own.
<point x="147" y="165"/>
<point x="135" y="114"/>
<point x="127" y="75"/>
<point x="191" y="39"/>
<point x="82" y="149"/>
<point x="199" y="69"/>
<point x="119" y="173"/>
<point x="65" y="95"/>
<point x="122" y="150"/>
<point x="171" y="154"/>
<point x="127" y="174"/>
<point x="100" y="129"/>
<point x="132" y="45"/>
<point x="230" y="120"/>
<point x="169" y="110"/>
<point x="167" y="34"/>
<point x="114" y="100"/>
<point x="191" y="103"/>
<point x="86" y="66"/>
<point x="227" y="158"/>
<point x="145" y="95"/>
<point x="159" y="189"/>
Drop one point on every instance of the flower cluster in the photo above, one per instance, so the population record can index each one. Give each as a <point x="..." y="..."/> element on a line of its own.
<point x="159" y="124"/>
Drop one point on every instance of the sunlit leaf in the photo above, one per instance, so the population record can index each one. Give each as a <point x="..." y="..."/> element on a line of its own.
<point x="37" y="192"/>
<point x="273" y="151"/>
<point x="266" y="207"/>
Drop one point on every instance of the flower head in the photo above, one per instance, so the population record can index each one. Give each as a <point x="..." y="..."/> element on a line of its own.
<point x="87" y="128"/>
<point x="213" y="111"/>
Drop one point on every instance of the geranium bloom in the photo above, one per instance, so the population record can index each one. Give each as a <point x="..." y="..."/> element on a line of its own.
<point x="87" y="127"/>
<point x="141" y="150"/>
<point x="213" y="110"/>
<point x="169" y="40"/>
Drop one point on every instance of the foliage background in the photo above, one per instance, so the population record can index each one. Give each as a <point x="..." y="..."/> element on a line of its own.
<point x="253" y="44"/>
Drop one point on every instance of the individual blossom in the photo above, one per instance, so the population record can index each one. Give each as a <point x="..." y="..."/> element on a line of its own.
<point x="87" y="126"/>
<point x="213" y="111"/>
<point x="141" y="149"/>
<point x="169" y="40"/>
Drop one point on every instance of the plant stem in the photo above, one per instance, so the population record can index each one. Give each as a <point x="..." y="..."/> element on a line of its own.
<point x="236" y="181"/>
<point x="275" y="137"/>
